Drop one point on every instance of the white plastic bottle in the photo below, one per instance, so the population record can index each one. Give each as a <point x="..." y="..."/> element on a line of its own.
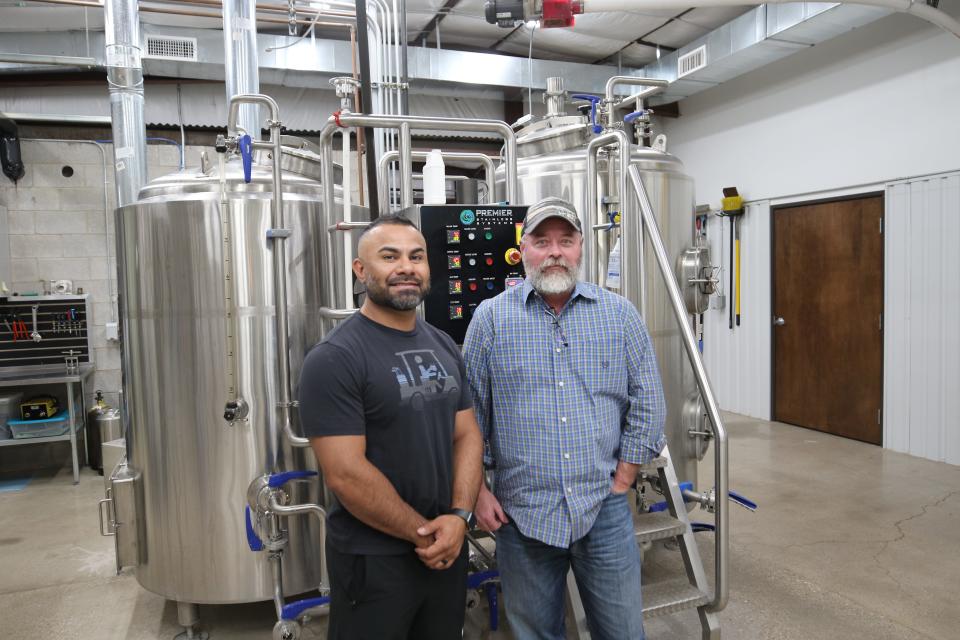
<point x="434" y="179"/>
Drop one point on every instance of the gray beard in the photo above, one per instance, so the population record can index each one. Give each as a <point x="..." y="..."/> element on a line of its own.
<point x="552" y="284"/>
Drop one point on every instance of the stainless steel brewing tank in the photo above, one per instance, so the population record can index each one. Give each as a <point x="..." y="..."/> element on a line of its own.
<point x="552" y="162"/>
<point x="175" y="292"/>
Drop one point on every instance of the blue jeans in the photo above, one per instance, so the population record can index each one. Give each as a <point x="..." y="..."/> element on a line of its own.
<point x="605" y="562"/>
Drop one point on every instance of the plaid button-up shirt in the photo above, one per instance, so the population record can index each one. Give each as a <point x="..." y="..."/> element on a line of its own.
<point x="560" y="399"/>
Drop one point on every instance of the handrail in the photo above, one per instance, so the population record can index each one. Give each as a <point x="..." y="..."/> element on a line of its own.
<point x="393" y="156"/>
<point x="721" y="538"/>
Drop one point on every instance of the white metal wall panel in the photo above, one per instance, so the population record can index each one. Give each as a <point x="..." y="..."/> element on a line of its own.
<point x="738" y="359"/>
<point x="922" y="309"/>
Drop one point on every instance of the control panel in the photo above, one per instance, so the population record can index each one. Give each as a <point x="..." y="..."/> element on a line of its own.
<point x="474" y="254"/>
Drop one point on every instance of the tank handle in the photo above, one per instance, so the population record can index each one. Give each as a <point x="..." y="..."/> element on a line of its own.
<point x="630" y="117"/>
<point x="593" y="100"/>
<point x="245" y="143"/>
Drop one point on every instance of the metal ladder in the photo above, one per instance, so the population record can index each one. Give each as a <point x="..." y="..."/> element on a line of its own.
<point x="661" y="598"/>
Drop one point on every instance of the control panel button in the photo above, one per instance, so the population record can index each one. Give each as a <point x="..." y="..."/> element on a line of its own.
<point x="473" y="286"/>
<point x="488" y="235"/>
<point x="471" y="236"/>
<point x="453" y="236"/>
<point x="456" y="311"/>
<point x="472" y="262"/>
<point x="453" y="261"/>
<point x="489" y="261"/>
<point x="456" y="286"/>
<point x="513" y="257"/>
<point x="490" y="286"/>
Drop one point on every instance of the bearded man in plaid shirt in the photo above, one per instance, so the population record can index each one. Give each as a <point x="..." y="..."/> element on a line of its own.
<point x="568" y="397"/>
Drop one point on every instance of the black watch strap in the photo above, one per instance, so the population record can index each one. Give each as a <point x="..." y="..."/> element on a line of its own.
<point x="467" y="516"/>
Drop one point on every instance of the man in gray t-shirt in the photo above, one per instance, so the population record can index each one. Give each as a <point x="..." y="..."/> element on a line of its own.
<point x="388" y="412"/>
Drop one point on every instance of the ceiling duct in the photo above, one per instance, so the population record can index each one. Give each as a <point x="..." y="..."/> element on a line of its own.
<point x="755" y="39"/>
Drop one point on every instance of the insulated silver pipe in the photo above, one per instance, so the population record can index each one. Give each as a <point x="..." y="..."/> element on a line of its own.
<point x="241" y="65"/>
<point x="406" y="167"/>
<point x="721" y="537"/>
<point x="393" y="156"/>
<point x="125" y="79"/>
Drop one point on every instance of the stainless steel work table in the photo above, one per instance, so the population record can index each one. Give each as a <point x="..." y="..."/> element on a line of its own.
<point x="52" y="375"/>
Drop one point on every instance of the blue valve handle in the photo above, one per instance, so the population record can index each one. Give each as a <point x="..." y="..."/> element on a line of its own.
<point x="630" y="117"/>
<point x="662" y="506"/>
<point x="593" y="100"/>
<point x="277" y="480"/>
<point x="702" y="526"/>
<point x="742" y="500"/>
<point x="245" y="144"/>
<point x="294" y="610"/>
<point x="253" y="540"/>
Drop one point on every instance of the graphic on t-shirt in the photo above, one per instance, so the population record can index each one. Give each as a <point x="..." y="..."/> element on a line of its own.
<point x="422" y="378"/>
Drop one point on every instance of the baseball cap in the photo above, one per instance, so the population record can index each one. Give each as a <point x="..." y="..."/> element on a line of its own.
<point x="551" y="207"/>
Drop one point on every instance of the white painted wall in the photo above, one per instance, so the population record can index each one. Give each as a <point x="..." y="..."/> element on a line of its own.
<point x="866" y="111"/>
<point x="876" y="104"/>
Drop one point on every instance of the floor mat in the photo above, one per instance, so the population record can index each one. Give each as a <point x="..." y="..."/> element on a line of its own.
<point x="8" y="485"/>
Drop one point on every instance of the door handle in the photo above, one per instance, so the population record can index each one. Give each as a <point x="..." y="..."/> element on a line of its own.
<point x="778" y="321"/>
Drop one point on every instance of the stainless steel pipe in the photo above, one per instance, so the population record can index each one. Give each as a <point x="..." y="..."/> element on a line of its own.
<point x="721" y="473"/>
<point x="591" y="256"/>
<point x="392" y="156"/>
<point x="306" y="509"/>
<point x="404" y="124"/>
<point x="656" y="84"/>
<point x="279" y="260"/>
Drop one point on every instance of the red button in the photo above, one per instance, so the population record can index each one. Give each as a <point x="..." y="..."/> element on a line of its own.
<point x="473" y="286"/>
<point x="489" y="262"/>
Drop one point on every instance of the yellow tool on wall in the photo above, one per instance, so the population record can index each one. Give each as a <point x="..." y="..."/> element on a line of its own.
<point x="732" y="207"/>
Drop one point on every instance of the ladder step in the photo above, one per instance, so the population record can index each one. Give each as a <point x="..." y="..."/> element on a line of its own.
<point x="669" y="597"/>
<point x="652" y="466"/>
<point x="657" y="526"/>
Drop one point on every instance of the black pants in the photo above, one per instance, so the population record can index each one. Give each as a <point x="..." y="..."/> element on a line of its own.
<point x="395" y="597"/>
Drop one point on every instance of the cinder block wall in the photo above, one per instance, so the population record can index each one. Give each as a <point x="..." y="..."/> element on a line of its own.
<point x="59" y="227"/>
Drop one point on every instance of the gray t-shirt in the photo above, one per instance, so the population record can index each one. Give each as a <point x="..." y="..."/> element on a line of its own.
<point x="400" y="389"/>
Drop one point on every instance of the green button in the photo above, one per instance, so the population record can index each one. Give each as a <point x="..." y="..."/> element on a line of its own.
<point x="488" y="235"/>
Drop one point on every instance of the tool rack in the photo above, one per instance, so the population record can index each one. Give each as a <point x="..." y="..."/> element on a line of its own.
<point x="63" y="324"/>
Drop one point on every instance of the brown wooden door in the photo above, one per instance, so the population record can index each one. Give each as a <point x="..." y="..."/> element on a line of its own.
<point x="828" y="289"/>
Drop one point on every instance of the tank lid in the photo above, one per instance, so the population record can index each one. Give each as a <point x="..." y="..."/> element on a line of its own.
<point x="552" y="135"/>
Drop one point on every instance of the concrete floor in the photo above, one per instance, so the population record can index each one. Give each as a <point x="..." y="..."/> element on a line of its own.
<point x="850" y="542"/>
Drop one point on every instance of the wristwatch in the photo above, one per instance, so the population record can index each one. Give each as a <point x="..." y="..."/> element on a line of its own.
<point x="467" y="516"/>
